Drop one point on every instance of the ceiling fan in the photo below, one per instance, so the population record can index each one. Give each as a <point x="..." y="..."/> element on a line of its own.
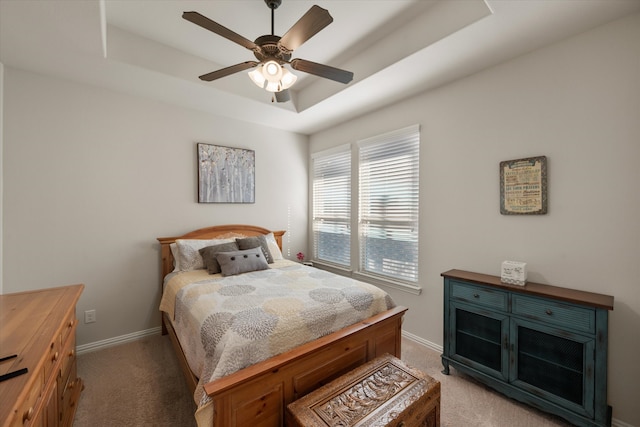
<point x="272" y="51"/>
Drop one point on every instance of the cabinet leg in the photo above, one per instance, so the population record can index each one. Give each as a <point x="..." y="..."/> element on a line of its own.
<point x="446" y="367"/>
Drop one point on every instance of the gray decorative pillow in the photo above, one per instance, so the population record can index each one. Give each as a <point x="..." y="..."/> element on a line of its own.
<point x="237" y="262"/>
<point x="210" y="252"/>
<point x="256" y="242"/>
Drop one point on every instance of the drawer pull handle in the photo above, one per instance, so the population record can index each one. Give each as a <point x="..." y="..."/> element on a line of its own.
<point x="548" y="311"/>
<point x="70" y="323"/>
<point x="71" y="353"/>
<point x="27" y="415"/>
<point x="55" y="357"/>
<point x="401" y="424"/>
<point x="476" y="295"/>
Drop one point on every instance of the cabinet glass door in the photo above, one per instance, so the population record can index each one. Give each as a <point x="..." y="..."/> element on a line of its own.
<point x="556" y="363"/>
<point x="480" y="339"/>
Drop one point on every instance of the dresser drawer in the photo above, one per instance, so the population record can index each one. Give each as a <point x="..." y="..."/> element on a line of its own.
<point x="480" y="296"/>
<point x="53" y="356"/>
<point x="26" y="412"/>
<point x="551" y="312"/>
<point x="68" y="356"/>
<point x="70" y="394"/>
<point x="68" y="326"/>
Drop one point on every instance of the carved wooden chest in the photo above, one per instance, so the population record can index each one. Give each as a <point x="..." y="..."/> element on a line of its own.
<point x="382" y="392"/>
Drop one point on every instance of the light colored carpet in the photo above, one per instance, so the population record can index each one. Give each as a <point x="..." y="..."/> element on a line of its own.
<point x="135" y="384"/>
<point x="140" y="384"/>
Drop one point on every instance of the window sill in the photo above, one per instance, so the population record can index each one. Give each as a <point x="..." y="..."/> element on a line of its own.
<point x="374" y="280"/>
<point x="378" y="281"/>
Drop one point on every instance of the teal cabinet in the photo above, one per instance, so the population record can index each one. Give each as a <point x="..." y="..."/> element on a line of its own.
<point x="543" y="345"/>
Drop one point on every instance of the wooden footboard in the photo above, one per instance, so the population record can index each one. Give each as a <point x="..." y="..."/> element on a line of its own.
<point x="258" y="395"/>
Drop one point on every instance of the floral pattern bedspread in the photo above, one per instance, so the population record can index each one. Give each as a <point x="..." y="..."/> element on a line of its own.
<point x="228" y="323"/>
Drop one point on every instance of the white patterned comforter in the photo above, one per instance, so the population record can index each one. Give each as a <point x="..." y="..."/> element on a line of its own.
<point x="225" y="324"/>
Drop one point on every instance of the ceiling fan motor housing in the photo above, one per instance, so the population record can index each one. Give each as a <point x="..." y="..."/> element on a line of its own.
<point x="269" y="49"/>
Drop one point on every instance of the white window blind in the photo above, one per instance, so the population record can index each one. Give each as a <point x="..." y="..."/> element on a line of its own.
<point x="332" y="207"/>
<point x="388" y="204"/>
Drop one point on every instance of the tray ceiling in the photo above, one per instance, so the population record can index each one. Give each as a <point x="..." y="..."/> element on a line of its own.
<point x="396" y="48"/>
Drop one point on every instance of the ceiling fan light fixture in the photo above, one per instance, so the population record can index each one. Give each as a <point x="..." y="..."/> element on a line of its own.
<point x="257" y="77"/>
<point x="272" y="71"/>
<point x="272" y="77"/>
<point x="272" y="87"/>
<point x="288" y="78"/>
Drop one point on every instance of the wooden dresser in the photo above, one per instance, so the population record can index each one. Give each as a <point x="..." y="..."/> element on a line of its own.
<point x="39" y="328"/>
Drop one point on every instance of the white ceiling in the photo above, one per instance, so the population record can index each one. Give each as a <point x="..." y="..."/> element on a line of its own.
<point x="396" y="48"/>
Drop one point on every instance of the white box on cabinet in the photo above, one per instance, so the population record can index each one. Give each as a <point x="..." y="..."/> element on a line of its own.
<point x="514" y="273"/>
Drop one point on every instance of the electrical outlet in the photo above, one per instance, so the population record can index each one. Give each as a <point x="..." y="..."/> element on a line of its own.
<point x="89" y="316"/>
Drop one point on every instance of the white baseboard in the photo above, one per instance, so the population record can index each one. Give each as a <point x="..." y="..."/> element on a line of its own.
<point x="110" y="342"/>
<point x="422" y="341"/>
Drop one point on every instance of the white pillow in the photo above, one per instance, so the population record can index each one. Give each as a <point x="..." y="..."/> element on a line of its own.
<point x="174" y="253"/>
<point x="276" y="253"/>
<point x="189" y="257"/>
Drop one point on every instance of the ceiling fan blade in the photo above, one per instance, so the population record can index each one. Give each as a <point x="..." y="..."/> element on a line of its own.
<point x="309" y="25"/>
<point x="321" y="70"/>
<point x="214" y="75"/>
<point x="283" y="96"/>
<point x="210" y="25"/>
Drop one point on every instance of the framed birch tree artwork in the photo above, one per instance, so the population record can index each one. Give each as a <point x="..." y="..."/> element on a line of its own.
<point x="225" y="174"/>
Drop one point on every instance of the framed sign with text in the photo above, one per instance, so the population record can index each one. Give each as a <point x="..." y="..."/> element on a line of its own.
<point x="523" y="186"/>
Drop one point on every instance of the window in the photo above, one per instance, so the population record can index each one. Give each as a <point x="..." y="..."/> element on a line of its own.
<point x="385" y="177"/>
<point x="332" y="207"/>
<point x="388" y="199"/>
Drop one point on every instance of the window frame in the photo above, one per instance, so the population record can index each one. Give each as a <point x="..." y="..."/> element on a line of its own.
<point x="354" y="269"/>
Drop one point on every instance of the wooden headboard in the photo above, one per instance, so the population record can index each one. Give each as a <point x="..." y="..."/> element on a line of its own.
<point x="217" y="231"/>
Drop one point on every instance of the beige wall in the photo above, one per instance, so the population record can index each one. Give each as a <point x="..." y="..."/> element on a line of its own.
<point x="576" y="102"/>
<point x="92" y="177"/>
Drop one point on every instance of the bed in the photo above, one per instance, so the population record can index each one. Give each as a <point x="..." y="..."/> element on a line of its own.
<point x="257" y="395"/>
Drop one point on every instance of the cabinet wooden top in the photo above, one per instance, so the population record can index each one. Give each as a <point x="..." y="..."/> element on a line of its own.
<point x="29" y="321"/>
<point x="555" y="292"/>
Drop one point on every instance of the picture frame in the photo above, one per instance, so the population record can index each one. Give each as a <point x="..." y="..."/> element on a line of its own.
<point x="225" y="174"/>
<point x="523" y="186"/>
